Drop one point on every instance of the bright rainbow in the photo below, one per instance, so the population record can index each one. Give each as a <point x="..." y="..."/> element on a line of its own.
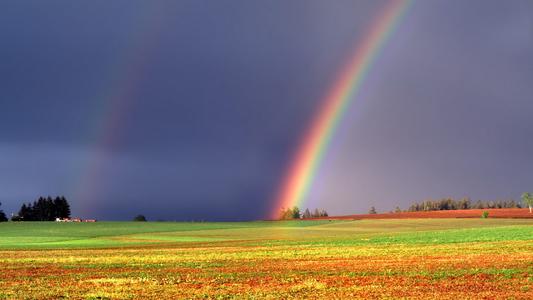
<point x="302" y="171"/>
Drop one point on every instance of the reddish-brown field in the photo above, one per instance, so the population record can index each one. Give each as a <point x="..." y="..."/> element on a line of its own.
<point x="520" y="213"/>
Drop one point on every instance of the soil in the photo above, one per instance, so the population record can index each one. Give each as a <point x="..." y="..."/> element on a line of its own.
<point x="467" y="213"/>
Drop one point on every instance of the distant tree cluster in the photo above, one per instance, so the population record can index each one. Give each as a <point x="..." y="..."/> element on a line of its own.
<point x="294" y="213"/>
<point x="3" y="217"/>
<point x="464" y="203"/>
<point x="44" y="209"/>
<point x="315" y="214"/>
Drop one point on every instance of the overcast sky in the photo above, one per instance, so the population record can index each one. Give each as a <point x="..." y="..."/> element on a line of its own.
<point x="185" y="110"/>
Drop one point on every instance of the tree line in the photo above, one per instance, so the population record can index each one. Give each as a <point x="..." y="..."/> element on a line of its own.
<point x="44" y="209"/>
<point x="295" y="213"/>
<point x="464" y="203"/>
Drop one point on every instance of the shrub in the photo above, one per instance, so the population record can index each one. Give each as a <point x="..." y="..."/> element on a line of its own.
<point x="139" y="218"/>
<point x="485" y="215"/>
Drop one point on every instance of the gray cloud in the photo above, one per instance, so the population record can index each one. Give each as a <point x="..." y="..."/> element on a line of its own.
<point x="217" y="94"/>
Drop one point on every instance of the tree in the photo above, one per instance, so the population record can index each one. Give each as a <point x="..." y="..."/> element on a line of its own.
<point x="285" y="214"/>
<point x="479" y="205"/>
<point x="61" y="208"/>
<point x="397" y="209"/>
<point x="139" y="218"/>
<point x="26" y="212"/>
<point x="464" y="203"/>
<point x="307" y="214"/>
<point x="42" y="210"/>
<point x="527" y="198"/>
<point x="3" y="217"/>
<point x="413" y="207"/>
<point x="372" y="211"/>
<point x="295" y="212"/>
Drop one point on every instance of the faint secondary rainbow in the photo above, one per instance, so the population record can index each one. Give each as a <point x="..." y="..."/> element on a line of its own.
<point x="302" y="171"/>
<point x="109" y="119"/>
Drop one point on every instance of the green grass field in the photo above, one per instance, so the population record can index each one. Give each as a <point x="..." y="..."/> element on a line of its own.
<point x="49" y="235"/>
<point x="413" y="258"/>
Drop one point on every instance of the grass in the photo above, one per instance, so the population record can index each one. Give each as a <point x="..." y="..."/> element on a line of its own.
<point x="39" y="235"/>
<point x="49" y="235"/>
<point x="418" y="258"/>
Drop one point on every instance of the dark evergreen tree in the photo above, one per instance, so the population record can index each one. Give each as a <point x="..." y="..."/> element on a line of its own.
<point x="61" y="208"/>
<point x="372" y="210"/>
<point x="25" y="212"/>
<point x="45" y="209"/>
<point x="49" y="209"/>
<point x="37" y="209"/>
<point x="3" y="217"/>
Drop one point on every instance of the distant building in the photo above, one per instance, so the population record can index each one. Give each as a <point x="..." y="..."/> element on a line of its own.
<point x="76" y="220"/>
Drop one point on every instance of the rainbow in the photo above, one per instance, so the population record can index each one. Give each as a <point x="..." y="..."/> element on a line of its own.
<point x="114" y="106"/>
<point x="302" y="170"/>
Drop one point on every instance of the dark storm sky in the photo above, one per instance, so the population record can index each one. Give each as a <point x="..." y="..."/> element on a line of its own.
<point x="186" y="110"/>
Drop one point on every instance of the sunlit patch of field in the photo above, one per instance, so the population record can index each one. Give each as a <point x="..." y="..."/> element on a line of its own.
<point x="419" y="258"/>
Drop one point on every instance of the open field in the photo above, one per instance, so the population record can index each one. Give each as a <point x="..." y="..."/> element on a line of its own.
<point x="408" y="258"/>
<point x="519" y="213"/>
